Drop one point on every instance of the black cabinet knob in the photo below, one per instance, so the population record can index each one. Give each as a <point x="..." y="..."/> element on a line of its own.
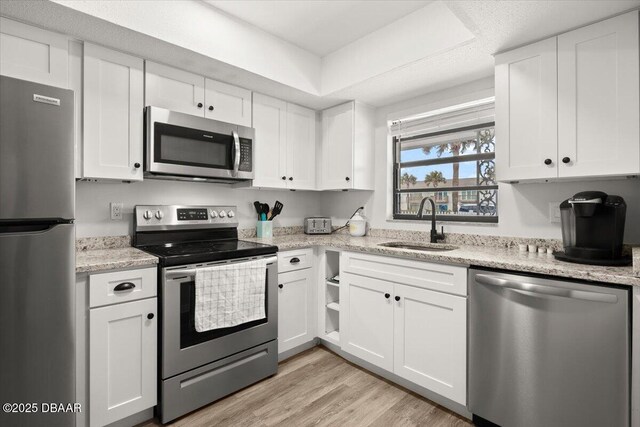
<point x="136" y="165"/>
<point x="150" y="316"/>
<point x="290" y="178"/>
<point x="387" y="296"/>
<point x="397" y="298"/>
<point x="199" y="104"/>
<point x="210" y="107"/>
<point x="547" y="162"/>
<point x="566" y="160"/>
<point x="348" y="179"/>
<point x="281" y="286"/>
<point x="284" y="177"/>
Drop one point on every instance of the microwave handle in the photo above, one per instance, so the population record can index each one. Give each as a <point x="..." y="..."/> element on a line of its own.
<point x="236" y="155"/>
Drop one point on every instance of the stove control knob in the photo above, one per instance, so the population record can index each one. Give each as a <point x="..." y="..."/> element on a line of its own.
<point x="147" y="215"/>
<point x="222" y="214"/>
<point x="213" y="214"/>
<point x="159" y="214"/>
<point x="231" y="214"/>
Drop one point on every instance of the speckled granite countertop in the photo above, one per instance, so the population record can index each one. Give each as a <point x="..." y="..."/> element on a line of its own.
<point x="92" y="260"/>
<point x="484" y="256"/>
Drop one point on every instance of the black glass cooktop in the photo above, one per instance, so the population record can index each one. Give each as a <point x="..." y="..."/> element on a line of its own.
<point x="206" y="251"/>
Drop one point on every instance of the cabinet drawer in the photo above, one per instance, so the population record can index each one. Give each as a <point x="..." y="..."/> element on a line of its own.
<point x="122" y="286"/>
<point x="438" y="277"/>
<point x="295" y="260"/>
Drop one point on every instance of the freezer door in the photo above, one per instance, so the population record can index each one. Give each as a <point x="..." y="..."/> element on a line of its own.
<point x="37" y="327"/>
<point x="548" y="352"/>
<point x="37" y="178"/>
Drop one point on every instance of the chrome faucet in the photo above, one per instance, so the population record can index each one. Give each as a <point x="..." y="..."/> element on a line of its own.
<point x="435" y="236"/>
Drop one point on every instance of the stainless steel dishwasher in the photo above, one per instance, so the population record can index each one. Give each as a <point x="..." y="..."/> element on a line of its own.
<point x="546" y="352"/>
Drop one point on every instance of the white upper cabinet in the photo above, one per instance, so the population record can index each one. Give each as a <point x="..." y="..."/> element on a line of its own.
<point x="227" y="103"/>
<point x="33" y="54"/>
<point x="568" y="107"/>
<point x="174" y="89"/>
<point x="185" y="92"/>
<point x="270" y="159"/>
<point x="526" y="112"/>
<point x="347" y="148"/>
<point x="113" y="115"/>
<point x="285" y="144"/>
<point x="598" y="99"/>
<point x="301" y="148"/>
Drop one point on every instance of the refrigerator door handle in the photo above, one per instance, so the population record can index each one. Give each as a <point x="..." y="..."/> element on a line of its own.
<point x="530" y="288"/>
<point x="26" y="229"/>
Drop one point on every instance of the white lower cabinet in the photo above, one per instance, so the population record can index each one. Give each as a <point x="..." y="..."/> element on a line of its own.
<point x="430" y="339"/>
<point x="123" y="354"/>
<point x="399" y="325"/>
<point x="296" y="302"/>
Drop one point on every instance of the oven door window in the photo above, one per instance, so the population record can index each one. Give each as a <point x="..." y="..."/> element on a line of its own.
<point x="191" y="147"/>
<point x="188" y="334"/>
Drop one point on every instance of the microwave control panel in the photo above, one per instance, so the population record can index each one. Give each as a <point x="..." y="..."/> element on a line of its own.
<point x="246" y="155"/>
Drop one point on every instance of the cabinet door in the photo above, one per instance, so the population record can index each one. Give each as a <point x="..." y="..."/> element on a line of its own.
<point x="599" y="99"/>
<point x="270" y="124"/>
<point x="366" y="319"/>
<point x="295" y="309"/>
<point x="227" y="103"/>
<point x="33" y="54"/>
<point x="174" y="89"/>
<point x="113" y="114"/>
<point x="337" y="147"/>
<point x="430" y="340"/>
<point x="301" y="148"/>
<point x="526" y="112"/>
<point x="122" y="359"/>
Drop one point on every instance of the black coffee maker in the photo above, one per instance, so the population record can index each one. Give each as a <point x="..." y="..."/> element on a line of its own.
<point x="593" y="229"/>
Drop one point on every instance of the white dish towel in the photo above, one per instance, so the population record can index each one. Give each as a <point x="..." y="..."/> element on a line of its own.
<point x="230" y="294"/>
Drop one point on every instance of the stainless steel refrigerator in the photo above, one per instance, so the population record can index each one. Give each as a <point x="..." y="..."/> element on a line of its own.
<point x="37" y="255"/>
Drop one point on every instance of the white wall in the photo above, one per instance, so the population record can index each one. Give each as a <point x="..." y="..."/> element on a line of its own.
<point x="523" y="208"/>
<point x="93" y="215"/>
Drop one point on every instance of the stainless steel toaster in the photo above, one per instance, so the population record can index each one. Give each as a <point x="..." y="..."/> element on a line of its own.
<point x="317" y="225"/>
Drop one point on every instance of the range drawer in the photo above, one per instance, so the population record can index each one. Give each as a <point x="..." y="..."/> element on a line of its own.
<point x="438" y="277"/>
<point x="122" y="286"/>
<point x="295" y="260"/>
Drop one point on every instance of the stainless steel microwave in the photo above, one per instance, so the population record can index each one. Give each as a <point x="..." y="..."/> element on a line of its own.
<point x="185" y="147"/>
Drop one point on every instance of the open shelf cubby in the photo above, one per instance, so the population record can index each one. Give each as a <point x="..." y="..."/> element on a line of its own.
<point x="332" y="295"/>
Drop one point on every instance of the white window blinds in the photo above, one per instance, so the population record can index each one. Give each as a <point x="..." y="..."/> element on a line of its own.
<point x="455" y="117"/>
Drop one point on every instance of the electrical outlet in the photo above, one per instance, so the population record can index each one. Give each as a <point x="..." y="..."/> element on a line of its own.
<point x="116" y="211"/>
<point x="554" y="212"/>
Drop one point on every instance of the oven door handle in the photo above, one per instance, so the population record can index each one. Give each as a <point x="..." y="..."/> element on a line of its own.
<point x="236" y="154"/>
<point x="173" y="274"/>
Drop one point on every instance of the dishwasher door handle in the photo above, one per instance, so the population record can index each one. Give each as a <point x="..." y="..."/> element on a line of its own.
<point x="530" y="288"/>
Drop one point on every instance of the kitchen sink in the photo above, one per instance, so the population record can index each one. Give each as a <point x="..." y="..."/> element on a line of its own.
<point x="416" y="246"/>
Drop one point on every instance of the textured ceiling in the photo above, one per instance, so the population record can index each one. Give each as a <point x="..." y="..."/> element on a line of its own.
<point x="318" y="26"/>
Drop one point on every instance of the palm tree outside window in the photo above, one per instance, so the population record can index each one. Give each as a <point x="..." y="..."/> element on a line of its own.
<point x="455" y="167"/>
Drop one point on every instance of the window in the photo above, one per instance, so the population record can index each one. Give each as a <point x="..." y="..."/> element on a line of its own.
<point x="455" y="167"/>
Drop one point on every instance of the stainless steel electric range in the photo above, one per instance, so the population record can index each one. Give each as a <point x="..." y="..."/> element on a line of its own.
<point x="197" y="368"/>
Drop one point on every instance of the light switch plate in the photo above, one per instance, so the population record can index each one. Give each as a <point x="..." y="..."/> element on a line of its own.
<point x="116" y="211"/>
<point x="554" y="212"/>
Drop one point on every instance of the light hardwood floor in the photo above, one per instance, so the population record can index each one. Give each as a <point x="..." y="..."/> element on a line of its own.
<point x="320" y="388"/>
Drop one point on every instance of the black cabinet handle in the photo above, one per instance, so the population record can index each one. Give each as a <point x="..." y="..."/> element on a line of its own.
<point x="397" y="298"/>
<point x="387" y="296"/>
<point x="136" y="165"/>
<point x="290" y="178"/>
<point x="294" y="260"/>
<point x="150" y="316"/>
<point x="281" y="286"/>
<point x="210" y="107"/>
<point x="124" y="286"/>
<point x="566" y="160"/>
<point x="547" y="162"/>
<point x="348" y="179"/>
<point x="284" y="177"/>
<point x="199" y="104"/>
